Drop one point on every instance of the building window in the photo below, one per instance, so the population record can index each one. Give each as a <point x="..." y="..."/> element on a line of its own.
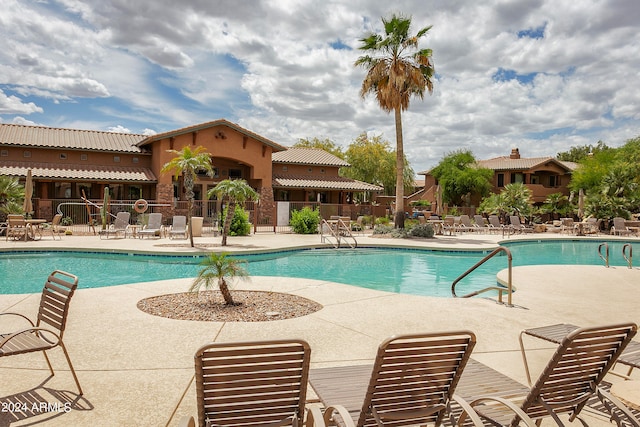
<point x="135" y="160"/>
<point x="216" y="173"/>
<point x="116" y="159"/>
<point x="500" y="180"/>
<point x="84" y="157"/>
<point x="86" y="187"/>
<point x="535" y="179"/>
<point x="135" y="192"/>
<point x="285" y="168"/>
<point x="4" y="153"/>
<point x="63" y="156"/>
<point x="62" y="190"/>
<point x="322" y="170"/>
<point x="26" y="153"/>
<point x="554" y="181"/>
<point x="235" y="174"/>
<point x="517" y="178"/>
<point x="310" y="170"/>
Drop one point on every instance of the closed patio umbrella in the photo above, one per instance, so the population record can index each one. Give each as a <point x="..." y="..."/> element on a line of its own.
<point x="438" y="200"/>
<point x="581" y="204"/>
<point x="27" y="206"/>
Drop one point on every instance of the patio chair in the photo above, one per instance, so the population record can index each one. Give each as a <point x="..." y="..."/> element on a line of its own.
<point x="119" y="226"/>
<point x="412" y="382"/>
<point x="53" y="226"/>
<point x="465" y="224"/>
<point x="153" y="227"/>
<point x="567" y="226"/>
<point x="517" y="227"/>
<point x="449" y="225"/>
<point x="17" y="227"/>
<point x="495" y="225"/>
<point x="619" y="229"/>
<point x="48" y="330"/>
<point x="261" y="383"/>
<point x="178" y="227"/>
<point x="480" y="223"/>
<point x="571" y="378"/>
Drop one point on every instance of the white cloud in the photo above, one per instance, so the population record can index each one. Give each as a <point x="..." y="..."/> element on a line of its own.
<point x="284" y="69"/>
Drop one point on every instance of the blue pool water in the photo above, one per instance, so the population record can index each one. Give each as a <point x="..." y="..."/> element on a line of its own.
<point x="411" y="271"/>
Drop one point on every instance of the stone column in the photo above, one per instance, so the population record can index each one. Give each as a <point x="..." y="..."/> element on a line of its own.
<point x="164" y="195"/>
<point x="267" y="205"/>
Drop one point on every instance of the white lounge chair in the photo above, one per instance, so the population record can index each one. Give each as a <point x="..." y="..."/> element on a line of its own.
<point x="153" y="227"/>
<point x="178" y="227"/>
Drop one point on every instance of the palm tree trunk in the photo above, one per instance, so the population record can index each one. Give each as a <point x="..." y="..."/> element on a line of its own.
<point x="231" y="209"/>
<point x="224" y="290"/>
<point x="399" y="218"/>
<point x="188" y="184"/>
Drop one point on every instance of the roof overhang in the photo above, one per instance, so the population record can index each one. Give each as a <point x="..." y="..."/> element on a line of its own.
<point x="320" y="183"/>
<point x="58" y="172"/>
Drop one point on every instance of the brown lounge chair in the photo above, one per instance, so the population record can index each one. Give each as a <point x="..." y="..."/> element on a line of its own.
<point x="515" y="226"/>
<point x="253" y="384"/>
<point x="411" y="383"/>
<point x="54" y="307"/>
<point x="570" y="379"/>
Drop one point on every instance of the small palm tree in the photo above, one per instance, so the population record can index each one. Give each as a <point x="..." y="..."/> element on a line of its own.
<point x="218" y="267"/>
<point x="189" y="162"/>
<point x="396" y="70"/>
<point x="237" y="191"/>
<point x="11" y="195"/>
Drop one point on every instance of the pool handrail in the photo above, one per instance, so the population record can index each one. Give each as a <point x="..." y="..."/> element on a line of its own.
<point x="605" y="258"/>
<point x="629" y="258"/>
<point x="490" y="288"/>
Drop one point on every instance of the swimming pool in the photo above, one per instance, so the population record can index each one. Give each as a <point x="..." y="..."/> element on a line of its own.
<point x="411" y="271"/>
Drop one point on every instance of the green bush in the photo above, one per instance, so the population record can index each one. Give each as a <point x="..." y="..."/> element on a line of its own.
<point x="382" y="220"/>
<point x="305" y="221"/>
<point x="240" y="225"/>
<point x="422" y="230"/>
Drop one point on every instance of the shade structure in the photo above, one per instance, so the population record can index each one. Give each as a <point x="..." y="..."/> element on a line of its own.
<point x="27" y="206"/>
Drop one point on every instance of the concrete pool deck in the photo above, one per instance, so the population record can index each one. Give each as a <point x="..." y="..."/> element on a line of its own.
<point x="137" y="369"/>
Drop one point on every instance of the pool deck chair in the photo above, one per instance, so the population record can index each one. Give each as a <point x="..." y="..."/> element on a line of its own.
<point x="465" y="224"/>
<point x="495" y="225"/>
<point x="153" y="227"/>
<point x="411" y="382"/>
<point x="53" y="226"/>
<point x="119" y="226"/>
<point x="178" y="227"/>
<point x="571" y="378"/>
<point x="480" y="224"/>
<point x="48" y="330"/>
<point x="619" y="228"/>
<point x="515" y="226"/>
<point x="261" y="383"/>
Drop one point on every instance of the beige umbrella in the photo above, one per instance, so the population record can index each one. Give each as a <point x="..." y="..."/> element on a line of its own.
<point x="438" y="200"/>
<point x="27" y="206"/>
<point x="581" y="204"/>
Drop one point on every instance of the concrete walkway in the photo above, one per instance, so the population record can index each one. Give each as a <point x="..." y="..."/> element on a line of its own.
<point x="137" y="369"/>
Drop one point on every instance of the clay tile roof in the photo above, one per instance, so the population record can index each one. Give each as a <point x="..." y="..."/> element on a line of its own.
<point x="78" y="172"/>
<point x="308" y="156"/>
<point x="324" y="183"/>
<point x="40" y="136"/>
<point x="219" y="122"/>
<point x="507" y="163"/>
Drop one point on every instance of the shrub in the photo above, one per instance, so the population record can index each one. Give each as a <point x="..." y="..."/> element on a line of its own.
<point x="382" y="229"/>
<point x="422" y="230"/>
<point x="240" y="225"/>
<point x="305" y="221"/>
<point x="382" y="220"/>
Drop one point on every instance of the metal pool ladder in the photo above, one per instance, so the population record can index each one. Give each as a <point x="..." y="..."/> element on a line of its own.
<point x="604" y="257"/>
<point x="339" y="231"/>
<point x="629" y="258"/>
<point x="500" y="289"/>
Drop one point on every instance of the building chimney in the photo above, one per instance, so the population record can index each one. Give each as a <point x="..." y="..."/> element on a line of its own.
<point x="515" y="154"/>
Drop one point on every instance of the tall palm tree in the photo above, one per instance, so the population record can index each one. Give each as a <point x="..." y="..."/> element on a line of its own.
<point x="218" y="267"/>
<point x="396" y="69"/>
<point x="237" y="191"/>
<point x="188" y="162"/>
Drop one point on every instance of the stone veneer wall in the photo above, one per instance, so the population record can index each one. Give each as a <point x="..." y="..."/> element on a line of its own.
<point x="164" y="194"/>
<point x="267" y="205"/>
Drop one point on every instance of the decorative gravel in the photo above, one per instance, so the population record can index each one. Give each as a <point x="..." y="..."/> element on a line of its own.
<point x="252" y="306"/>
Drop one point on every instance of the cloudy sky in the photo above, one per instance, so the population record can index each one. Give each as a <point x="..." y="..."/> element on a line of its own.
<point x="540" y="75"/>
